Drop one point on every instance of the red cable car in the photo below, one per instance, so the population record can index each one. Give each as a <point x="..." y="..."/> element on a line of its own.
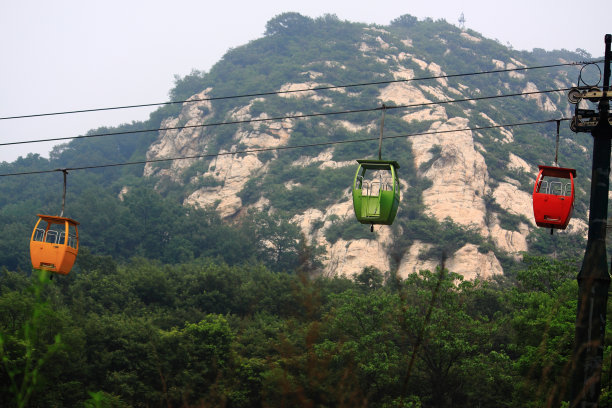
<point x="553" y="197"/>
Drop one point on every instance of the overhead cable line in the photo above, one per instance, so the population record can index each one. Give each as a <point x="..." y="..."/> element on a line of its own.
<point x="318" y="88"/>
<point x="279" y="118"/>
<point x="280" y="148"/>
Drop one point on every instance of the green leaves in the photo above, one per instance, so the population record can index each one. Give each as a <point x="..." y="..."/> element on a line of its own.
<point x="27" y="348"/>
<point x="206" y="333"/>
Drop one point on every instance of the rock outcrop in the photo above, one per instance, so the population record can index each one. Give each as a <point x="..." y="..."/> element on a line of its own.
<point x="448" y="154"/>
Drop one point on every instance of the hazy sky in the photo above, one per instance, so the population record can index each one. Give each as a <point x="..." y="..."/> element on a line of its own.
<point x="77" y="54"/>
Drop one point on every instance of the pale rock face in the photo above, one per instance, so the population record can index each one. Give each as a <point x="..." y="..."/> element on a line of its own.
<point x="403" y="93"/>
<point x="123" y="192"/>
<point x="518" y="163"/>
<point x="577" y="226"/>
<point x="290" y="185"/>
<point x="181" y="142"/>
<point x="364" y="48"/>
<point x="345" y="257"/>
<point x="325" y="160"/>
<point x="350" y="125"/>
<point x="405" y="73"/>
<point x="349" y="258"/>
<point x="312" y="74"/>
<point x="260" y="205"/>
<point x="243" y="113"/>
<point x="472" y="264"/>
<point x="378" y="30"/>
<point x="459" y="174"/>
<point x="422" y="64"/>
<point x="513" y="200"/>
<point x="518" y="63"/>
<point x="301" y="90"/>
<point x="437" y="92"/>
<point x="508" y="136"/>
<point x="433" y="113"/>
<point x="515" y="74"/>
<point x="382" y="43"/>
<point x="340" y="211"/>
<point x="542" y="100"/>
<point x="498" y="64"/>
<point x="307" y="219"/>
<point x="335" y="165"/>
<point x="411" y="263"/>
<point x="233" y="172"/>
<point x="228" y="203"/>
<point x="463" y="87"/>
<point x="274" y="138"/>
<point x="436" y="70"/>
<point x="402" y="56"/>
<point x="455" y="91"/>
<point x="513" y="242"/>
<point x="325" y="155"/>
<point x="573" y="143"/>
<point x="470" y="37"/>
<point x="334" y="64"/>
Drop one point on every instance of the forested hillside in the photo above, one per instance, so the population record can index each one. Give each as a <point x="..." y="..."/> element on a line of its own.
<point x="487" y="169"/>
<point x="204" y="333"/>
<point x="226" y="268"/>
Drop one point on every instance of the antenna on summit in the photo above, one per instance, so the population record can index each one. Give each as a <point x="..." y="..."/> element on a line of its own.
<point x="462" y="21"/>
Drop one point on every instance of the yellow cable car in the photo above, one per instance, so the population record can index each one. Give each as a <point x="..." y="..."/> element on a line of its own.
<point x="54" y="245"/>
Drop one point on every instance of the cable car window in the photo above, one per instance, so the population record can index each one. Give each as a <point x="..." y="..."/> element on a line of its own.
<point x="51" y="237"/>
<point x="39" y="235"/>
<point x="556" y="188"/>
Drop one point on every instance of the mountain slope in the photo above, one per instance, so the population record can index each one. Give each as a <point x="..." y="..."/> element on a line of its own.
<point x="466" y="172"/>
<point x="466" y="192"/>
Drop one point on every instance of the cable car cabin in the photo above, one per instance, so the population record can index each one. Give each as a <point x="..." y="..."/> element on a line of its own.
<point x="54" y="244"/>
<point x="376" y="193"/>
<point x="553" y="197"/>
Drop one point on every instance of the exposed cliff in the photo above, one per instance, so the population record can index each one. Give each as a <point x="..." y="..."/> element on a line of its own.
<point x="459" y="166"/>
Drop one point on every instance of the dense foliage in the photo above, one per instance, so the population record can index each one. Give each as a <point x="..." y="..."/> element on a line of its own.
<point x="203" y="333"/>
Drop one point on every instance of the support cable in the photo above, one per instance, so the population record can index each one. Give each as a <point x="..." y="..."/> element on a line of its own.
<point x="382" y="126"/>
<point x="557" y="144"/>
<point x="280" y="148"/>
<point x="65" y="171"/>
<point x="280" y="118"/>
<point x="318" y="88"/>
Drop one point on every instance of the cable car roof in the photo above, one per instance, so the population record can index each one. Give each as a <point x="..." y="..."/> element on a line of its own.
<point x="377" y="164"/>
<point x="57" y="220"/>
<point x="553" y="171"/>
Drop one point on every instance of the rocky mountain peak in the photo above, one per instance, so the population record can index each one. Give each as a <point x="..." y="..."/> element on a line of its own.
<point x="454" y="176"/>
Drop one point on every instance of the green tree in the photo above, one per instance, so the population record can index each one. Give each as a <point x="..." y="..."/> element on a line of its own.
<point x="280" y="241"/>
<point x="27" y="343"/>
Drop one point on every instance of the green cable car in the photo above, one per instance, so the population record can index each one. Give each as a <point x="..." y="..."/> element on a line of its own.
<point x="376" y="193"/>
